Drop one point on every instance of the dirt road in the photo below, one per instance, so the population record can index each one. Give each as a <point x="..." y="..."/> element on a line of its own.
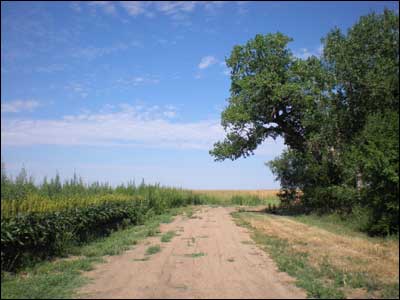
<point x="210" y="257"/>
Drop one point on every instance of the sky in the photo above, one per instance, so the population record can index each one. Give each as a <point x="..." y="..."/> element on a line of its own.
<point x="116" y="91"/>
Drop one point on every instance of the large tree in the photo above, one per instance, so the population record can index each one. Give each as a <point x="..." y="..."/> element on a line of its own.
<point x="325" y="108"/>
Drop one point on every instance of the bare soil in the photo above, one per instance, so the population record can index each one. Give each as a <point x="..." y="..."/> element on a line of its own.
<point x="210" y="257"/>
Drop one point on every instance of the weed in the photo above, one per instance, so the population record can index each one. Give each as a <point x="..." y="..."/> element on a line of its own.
<point x="166" y="237"/>
<point x="195" y="255"/>
<point x="153" y="250"/>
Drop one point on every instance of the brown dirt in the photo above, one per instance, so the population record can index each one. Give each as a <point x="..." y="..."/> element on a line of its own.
<point x="231" y="267"/>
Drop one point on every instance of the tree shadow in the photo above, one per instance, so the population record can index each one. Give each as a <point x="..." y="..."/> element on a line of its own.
<point x="280" y="210"/>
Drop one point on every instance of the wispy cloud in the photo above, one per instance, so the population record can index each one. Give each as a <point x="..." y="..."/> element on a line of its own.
<point x="92" y="52"/>
<point x="207" y="61"/>
<point x="75" y="5"/>
<point x="122" y="125"/>
<point x="128" y="126"/>
<point x="51" y="68"/>
<point x="225" y="70"/>
<point x="79" y="88"/>
<point x="177" y="10"/>
<point x="135" y="8"/>
<point x="19" y="106"/>
<point x="107" y="6"/>
<point x="138" y="80"/>
<point x="242" y="9"/>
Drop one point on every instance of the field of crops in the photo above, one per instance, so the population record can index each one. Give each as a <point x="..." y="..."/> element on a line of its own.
<point x="240" y="197"/>
<point x="41" y="221"/>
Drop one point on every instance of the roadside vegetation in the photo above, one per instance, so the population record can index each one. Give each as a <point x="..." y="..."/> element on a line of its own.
<point x="60" y="277"/>
<point x="328" y="259"/>
<point x="48" y="225"/>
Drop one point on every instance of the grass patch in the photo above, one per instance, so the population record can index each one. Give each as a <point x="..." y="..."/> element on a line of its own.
<point x="165" y="219"/>
<point x="195" y="255"/>
<point x="296" y="265"/>
<point x="60" y="278"/>
<point x="307" y="255"/>
<point x="189" y="213"/>
<point x="153" y="249"/>
<point x="167" y="237"/>
<point x="47" y="280"/>
<point x="332" y="223"/>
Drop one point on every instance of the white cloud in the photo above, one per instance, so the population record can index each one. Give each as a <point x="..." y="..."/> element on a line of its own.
<point x="169" y="113"/>
<point x="107" y="6"/>
<point x="225" y="70"/>
<point x="320" y="50"/>
<point x="207" y="61"/>
<point x="75" y="5"/>
<point x="177" y="10"/>
<point x="138" y="80"/>
<point x="95" y="52"/>
<point x="174" y="7"/>
<point x="19" y="105"/>
<point x="305" y="53"/>
<point x="128" y="126"/>
<point x="79" y="88"/>
<point x="122" y="125"/>
<point x="134" y="8"/>
<point x="51" y="68"/>
<point x="242" y="10"/>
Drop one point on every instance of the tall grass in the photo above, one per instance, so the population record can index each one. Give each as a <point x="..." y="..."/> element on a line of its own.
<point x="40" y="221"/>
<point x="21" y="196"/>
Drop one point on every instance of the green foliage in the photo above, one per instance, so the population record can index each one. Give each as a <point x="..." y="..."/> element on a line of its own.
<point x="167" y="237"/>
<point x="61" y="277"/>
<point x="376" y="156"/>
<point x="48" y="281"/>
<point x="195" y="255"/>
<point x="36" y="230"/>
<point x="338" y="114"/>
<point x="153" y="250"/>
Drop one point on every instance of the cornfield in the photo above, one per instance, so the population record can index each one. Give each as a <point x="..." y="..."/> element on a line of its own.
<point x="39" y="221"/>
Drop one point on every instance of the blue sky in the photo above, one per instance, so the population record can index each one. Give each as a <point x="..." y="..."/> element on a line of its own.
<point x="130" y="90"/>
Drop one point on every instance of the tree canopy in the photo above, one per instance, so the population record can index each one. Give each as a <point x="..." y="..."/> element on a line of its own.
<point x="338" y="115"/>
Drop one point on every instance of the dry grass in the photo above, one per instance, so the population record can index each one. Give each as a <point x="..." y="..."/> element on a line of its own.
<point x="228" y="194"/>
<point x="376" y="257"/>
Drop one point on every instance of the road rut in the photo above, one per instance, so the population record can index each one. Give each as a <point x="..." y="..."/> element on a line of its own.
<point x="210" y="257"/>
